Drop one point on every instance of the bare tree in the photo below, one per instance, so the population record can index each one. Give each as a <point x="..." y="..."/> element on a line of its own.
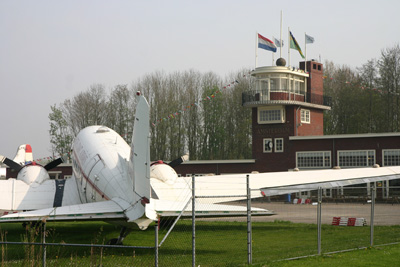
<point x="120" y="111"/>
<point x="389" y="70"/>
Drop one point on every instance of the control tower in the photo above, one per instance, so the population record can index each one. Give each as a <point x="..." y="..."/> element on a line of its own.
<point x="285" y="102"/>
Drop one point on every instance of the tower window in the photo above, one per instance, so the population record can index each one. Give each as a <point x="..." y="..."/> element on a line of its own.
<point x="278" y="144"/>
<point x="271" y="115"/>
<point x="305" y="116"/>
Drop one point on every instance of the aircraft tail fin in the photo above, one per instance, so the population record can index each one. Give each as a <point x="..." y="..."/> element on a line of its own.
<point x="139" y="162"/>
<point x="24" y="154"/>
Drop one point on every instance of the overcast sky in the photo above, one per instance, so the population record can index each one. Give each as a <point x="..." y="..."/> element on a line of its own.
<point x="52" y="50"/>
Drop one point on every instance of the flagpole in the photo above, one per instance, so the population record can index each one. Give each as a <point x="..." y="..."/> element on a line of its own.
<point x="289" y="46"/>
<point x="280" y="47"/>
<point x="273" y="58"/>
<point x="305" y="45"/>
<point x="256" y="49"/>
<point x="305" y="66"/>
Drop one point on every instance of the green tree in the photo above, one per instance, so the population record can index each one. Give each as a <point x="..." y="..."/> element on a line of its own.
<point x="60" y="136"/>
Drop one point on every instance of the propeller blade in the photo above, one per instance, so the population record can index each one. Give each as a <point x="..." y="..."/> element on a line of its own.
<point x="178" y="161"/>
<point x="53" y="164"/>
<point x="10" y="163"/>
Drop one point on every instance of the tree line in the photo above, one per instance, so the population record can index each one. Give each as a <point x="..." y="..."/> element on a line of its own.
<point x="365" y="99"/>
<point x="195" y="113"/>
<point x="190" y="112"/>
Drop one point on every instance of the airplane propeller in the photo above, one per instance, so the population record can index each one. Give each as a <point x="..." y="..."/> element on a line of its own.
<point x="10" y="163"/>
<point x="178" y="161"/>
<point x="15" y="166"/>
<point x="54" y="164"/>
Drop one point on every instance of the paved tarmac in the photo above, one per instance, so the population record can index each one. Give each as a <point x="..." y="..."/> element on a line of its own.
<point x="385" y="214"/>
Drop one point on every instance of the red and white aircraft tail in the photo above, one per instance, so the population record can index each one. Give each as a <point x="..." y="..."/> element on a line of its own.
<point x="24" y="154"/>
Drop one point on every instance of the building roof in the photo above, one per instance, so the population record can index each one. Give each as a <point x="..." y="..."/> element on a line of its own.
<point x="228" y="161"/>
<point x="342" y="136"/>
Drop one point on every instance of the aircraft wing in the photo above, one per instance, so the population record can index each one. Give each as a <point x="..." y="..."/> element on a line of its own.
<point x="203" y="210"/>
<point x="110" y="210"/>
<point x="90" y="211"/>
<point x="16" y="195"/>
<point x="272" y="183"/>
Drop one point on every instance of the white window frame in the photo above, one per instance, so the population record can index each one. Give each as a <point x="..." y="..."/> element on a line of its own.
<point x="324" y="154"/>
<point x="305" y="116"/>
<point x="361" y="153"/>
<point x="55" y="174"/>
<point x="391" y="162"/>
<point x="281" y="119"/>
<point x="265" y="140"/>
<point x="276" y="146"/>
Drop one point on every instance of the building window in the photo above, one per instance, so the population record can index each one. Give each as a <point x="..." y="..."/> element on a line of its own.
<point x="55" y="174"/>
<point x="391" y="157"/>
<point x="356" y="158"/>
<point x="271" y="115"/>
<point x="278" y="144"/>
<point x="267" y="145"/>
<point x="305" y="116"/>
<point x="313" y="159"/>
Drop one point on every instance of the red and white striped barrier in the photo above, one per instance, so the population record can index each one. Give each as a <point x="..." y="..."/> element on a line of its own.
<point x="302" y="201"/>
<point x="344" y="221"/>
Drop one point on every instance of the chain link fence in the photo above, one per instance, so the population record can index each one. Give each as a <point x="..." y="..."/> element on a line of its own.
<point x="34" y="248"/>
<point x="306" y="223"/>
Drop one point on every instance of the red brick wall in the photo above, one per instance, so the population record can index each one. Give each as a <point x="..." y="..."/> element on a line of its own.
<point x="316" y="125"/>
<point x="315" y="83"/>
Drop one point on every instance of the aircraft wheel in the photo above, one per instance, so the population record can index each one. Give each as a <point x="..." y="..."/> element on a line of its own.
<point x="113" y="241"/>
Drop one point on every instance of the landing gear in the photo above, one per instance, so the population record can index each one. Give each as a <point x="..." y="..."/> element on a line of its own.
<point x="118" y="241"/>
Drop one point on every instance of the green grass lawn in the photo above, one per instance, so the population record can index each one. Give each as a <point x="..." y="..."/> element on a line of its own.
<point x="217" y="244"/>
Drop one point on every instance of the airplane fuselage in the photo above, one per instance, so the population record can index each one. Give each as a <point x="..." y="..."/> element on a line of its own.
<point x="100" y="166"/>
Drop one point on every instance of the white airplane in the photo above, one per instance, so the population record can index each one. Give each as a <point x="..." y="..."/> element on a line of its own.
<point x="115" y="182"/>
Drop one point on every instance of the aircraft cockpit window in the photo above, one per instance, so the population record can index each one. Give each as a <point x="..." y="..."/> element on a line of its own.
<point x="103" y="129"/>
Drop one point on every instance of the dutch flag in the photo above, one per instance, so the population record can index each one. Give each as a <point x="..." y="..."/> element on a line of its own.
<point x="265" y="43"/>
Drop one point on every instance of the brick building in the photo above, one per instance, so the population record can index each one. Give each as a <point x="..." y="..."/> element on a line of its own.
<point x="287" y="128"/>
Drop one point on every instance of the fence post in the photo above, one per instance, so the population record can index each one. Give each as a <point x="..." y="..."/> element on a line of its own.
<point x="372" y="214"/>
<point x="193" y="222"/>
<point x="156" y="244"/>
<point x="44" y="243"/>
<point x="249" y="233"/>
<point x="319" y="221"/>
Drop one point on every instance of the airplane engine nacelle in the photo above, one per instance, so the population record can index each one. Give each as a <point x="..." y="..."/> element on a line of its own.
<point x="33" y="174"/>
<point x="163" y="172"/>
